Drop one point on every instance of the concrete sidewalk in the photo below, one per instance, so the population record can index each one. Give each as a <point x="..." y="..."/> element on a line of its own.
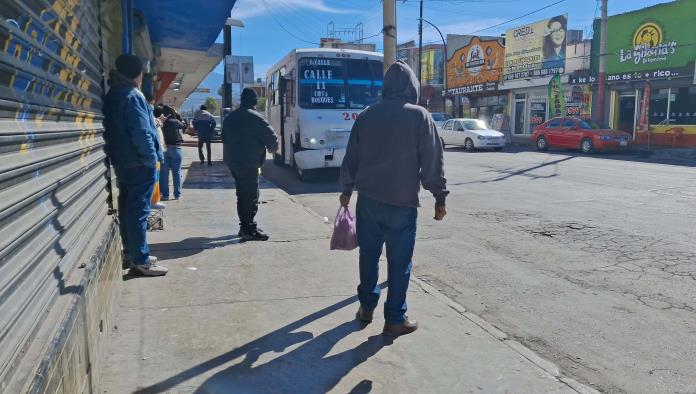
<point x="279" y="316"/>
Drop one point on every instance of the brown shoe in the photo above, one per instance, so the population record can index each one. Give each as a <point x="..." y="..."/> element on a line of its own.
<point x="364" y="315"/>
<point x="395" y="330"/>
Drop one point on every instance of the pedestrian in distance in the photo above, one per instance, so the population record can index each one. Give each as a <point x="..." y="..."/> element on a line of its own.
<point x="173" y="156"/>
<point x="393" y="148"/>
<point x="204" y="123"/>
<point x="246" y="137"/>
<point x="133" y="148"/>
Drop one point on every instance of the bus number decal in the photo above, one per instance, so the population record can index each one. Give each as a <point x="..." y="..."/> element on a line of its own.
<point x="349" y="116"/>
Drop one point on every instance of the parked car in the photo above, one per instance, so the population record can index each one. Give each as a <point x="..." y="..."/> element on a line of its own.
<point x="471" y="134"/>
<point x="579" y="133"/>
<point x="440" y="118"/>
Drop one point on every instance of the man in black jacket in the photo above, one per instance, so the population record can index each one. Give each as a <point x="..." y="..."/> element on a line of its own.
<point x="246" y="137"/>
<point x="393" y="148"/>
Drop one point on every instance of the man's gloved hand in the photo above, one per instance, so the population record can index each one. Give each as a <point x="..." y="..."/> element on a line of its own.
<point x="440" y="212"/>
<point x="344" y="200"/>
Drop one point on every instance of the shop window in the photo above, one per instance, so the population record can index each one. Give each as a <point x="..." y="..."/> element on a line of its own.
<point x="682" y="109"/>
<point x="658" y="106"/>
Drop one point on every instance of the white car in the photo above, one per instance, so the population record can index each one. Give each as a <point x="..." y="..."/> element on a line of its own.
<point x="439" y="118"/>
<point x="471" y="134"/>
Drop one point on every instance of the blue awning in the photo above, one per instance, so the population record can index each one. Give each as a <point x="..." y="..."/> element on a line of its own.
<point x="185" y="24"/>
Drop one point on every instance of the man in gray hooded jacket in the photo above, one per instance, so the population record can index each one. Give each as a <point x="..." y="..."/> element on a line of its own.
<point x="393" y="148"/>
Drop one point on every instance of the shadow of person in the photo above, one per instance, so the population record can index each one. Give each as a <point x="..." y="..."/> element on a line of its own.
<point x="302" y="370"/>
<point x="277" y="341"/>
<point x="191" y="246"/>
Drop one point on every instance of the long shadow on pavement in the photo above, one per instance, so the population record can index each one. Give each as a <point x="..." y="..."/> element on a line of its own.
<point x="191" y="246"/>
<point x="324" y="180"/>
<point x="303" y="370"/>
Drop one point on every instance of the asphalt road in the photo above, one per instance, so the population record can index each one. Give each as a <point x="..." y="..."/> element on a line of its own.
<point x="588" y="260"/>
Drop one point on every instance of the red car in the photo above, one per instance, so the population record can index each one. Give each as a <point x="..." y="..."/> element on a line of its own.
<point x="577" y="133"/>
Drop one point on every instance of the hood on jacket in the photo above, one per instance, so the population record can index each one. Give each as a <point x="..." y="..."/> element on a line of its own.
<point x="400" y="83"/>
<point x="203" y="115"/>
<point x="118" y="79"/>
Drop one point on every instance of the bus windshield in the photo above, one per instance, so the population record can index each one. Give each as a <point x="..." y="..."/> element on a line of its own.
<point x="326" y="83"/>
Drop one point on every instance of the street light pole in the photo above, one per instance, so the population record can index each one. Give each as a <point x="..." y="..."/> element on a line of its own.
<point x="420" y="44"/>
<point x="444" y="64"/>
<point x="389" y="32"/>
<point x="602" y="64"/>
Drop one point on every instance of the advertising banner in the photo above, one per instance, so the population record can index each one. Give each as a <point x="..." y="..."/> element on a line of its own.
<point x="432" y="60"/>
<point x="475" y="65"/>
<point x="537" y="49"/>
<point x="652" y="43"/>
<point x="557" y="106"/>
<point x="644" y="121"/>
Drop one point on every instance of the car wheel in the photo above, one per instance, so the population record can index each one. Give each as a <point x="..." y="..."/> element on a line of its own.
<point x="541" y="143"/>
<point x="586" y="146"/>
<point x="469" y="145"/>
<point x="442" y="140"/>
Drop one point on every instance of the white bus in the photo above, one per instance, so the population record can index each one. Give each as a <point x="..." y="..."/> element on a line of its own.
<point x="314" y="95"/>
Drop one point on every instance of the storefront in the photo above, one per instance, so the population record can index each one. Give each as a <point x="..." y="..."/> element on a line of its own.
<point x="530" y="101"/>
<point x="650" y="74"/>
<point x="474" y="69"/>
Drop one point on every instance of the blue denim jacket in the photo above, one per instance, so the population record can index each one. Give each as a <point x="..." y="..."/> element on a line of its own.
<point x="129" y="126"/>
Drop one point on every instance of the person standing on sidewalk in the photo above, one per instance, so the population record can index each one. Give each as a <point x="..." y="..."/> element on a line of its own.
<point x="133" y="149"/>
<point x="204" y="123"/>
<point x="174" y="155"/>
<point x="246" y="137"/>
<point x="393" y="147"/>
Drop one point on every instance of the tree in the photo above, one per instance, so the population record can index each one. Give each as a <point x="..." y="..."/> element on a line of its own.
<point x="261" y="106"/>
<point x="212" y="105"/>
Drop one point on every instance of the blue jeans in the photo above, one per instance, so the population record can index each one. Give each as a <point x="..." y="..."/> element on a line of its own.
<point x="173" y="157"/>
<point x="379" y="223"/>
<point x="135" y="186"/>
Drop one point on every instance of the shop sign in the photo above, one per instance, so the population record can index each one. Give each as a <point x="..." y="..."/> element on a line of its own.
<point x="579" y="101"/>
<point x="479" y="88"/>
<point x="537" y="49"/>
<point x="581" y="79"/>
<point x="652" y="43"/>
<point x="477" y="64"/>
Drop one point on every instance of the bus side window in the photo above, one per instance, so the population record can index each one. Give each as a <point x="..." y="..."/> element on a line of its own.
<point x="289" y="96"/>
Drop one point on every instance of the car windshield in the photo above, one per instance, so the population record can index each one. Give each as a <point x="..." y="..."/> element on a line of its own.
<point x="440" y="117"/>
<point x="474" y="125"/>
<point x="339" y="83"/>
<point x="589" y="124"/>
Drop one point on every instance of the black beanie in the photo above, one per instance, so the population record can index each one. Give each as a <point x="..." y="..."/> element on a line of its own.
<point x="129" y="65"/>
<point x="249" y="97"/>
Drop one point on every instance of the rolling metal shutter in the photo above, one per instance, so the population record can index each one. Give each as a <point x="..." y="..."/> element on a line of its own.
<point x="53" y="183"/>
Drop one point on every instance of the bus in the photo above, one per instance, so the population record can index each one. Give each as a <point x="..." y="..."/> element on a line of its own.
<point x="314" y="96"/>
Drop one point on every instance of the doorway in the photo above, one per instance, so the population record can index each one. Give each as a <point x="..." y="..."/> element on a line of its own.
<point x="627" y="113"/>
<point x="520" y="111"/>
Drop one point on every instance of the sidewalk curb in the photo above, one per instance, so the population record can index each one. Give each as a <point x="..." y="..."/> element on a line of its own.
<point x="545" y="365"/>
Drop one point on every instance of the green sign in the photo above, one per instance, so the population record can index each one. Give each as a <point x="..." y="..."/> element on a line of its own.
<point x="653" y="43"/>
<point x="557" y="106"/>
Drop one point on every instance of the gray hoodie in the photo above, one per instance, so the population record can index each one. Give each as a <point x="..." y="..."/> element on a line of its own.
<point x="394" y="146"/>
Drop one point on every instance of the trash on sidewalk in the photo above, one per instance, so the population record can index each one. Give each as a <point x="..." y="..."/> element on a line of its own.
<point x="344" y="236"/>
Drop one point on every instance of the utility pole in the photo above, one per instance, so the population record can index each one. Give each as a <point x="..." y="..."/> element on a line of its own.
<point x="420" y="44"/>
<point x="602" y="63"/>
<point x="389" y="32"/>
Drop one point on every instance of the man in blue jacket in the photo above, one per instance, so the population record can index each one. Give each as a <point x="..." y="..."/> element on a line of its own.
<point x="133" y="148"/>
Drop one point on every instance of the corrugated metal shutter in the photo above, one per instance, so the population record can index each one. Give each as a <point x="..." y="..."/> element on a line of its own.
<point x="53" y="195"/>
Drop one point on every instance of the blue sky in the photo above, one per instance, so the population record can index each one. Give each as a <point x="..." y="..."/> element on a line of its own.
<point x="307" y="20"/>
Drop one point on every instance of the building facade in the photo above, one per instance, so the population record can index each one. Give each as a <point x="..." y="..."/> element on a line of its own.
<point x="651" y="82"/>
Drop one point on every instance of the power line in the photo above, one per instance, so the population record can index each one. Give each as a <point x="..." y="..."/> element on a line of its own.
<point x="283" y="27"/>
<point x="519" y="17"/>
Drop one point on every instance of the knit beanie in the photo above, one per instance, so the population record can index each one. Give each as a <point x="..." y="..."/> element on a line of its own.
<point x="249" y="97"/>
<point x="129" y="65"/>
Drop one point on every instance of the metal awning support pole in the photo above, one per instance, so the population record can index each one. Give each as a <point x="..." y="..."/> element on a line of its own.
<point x="127" y="14"/>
